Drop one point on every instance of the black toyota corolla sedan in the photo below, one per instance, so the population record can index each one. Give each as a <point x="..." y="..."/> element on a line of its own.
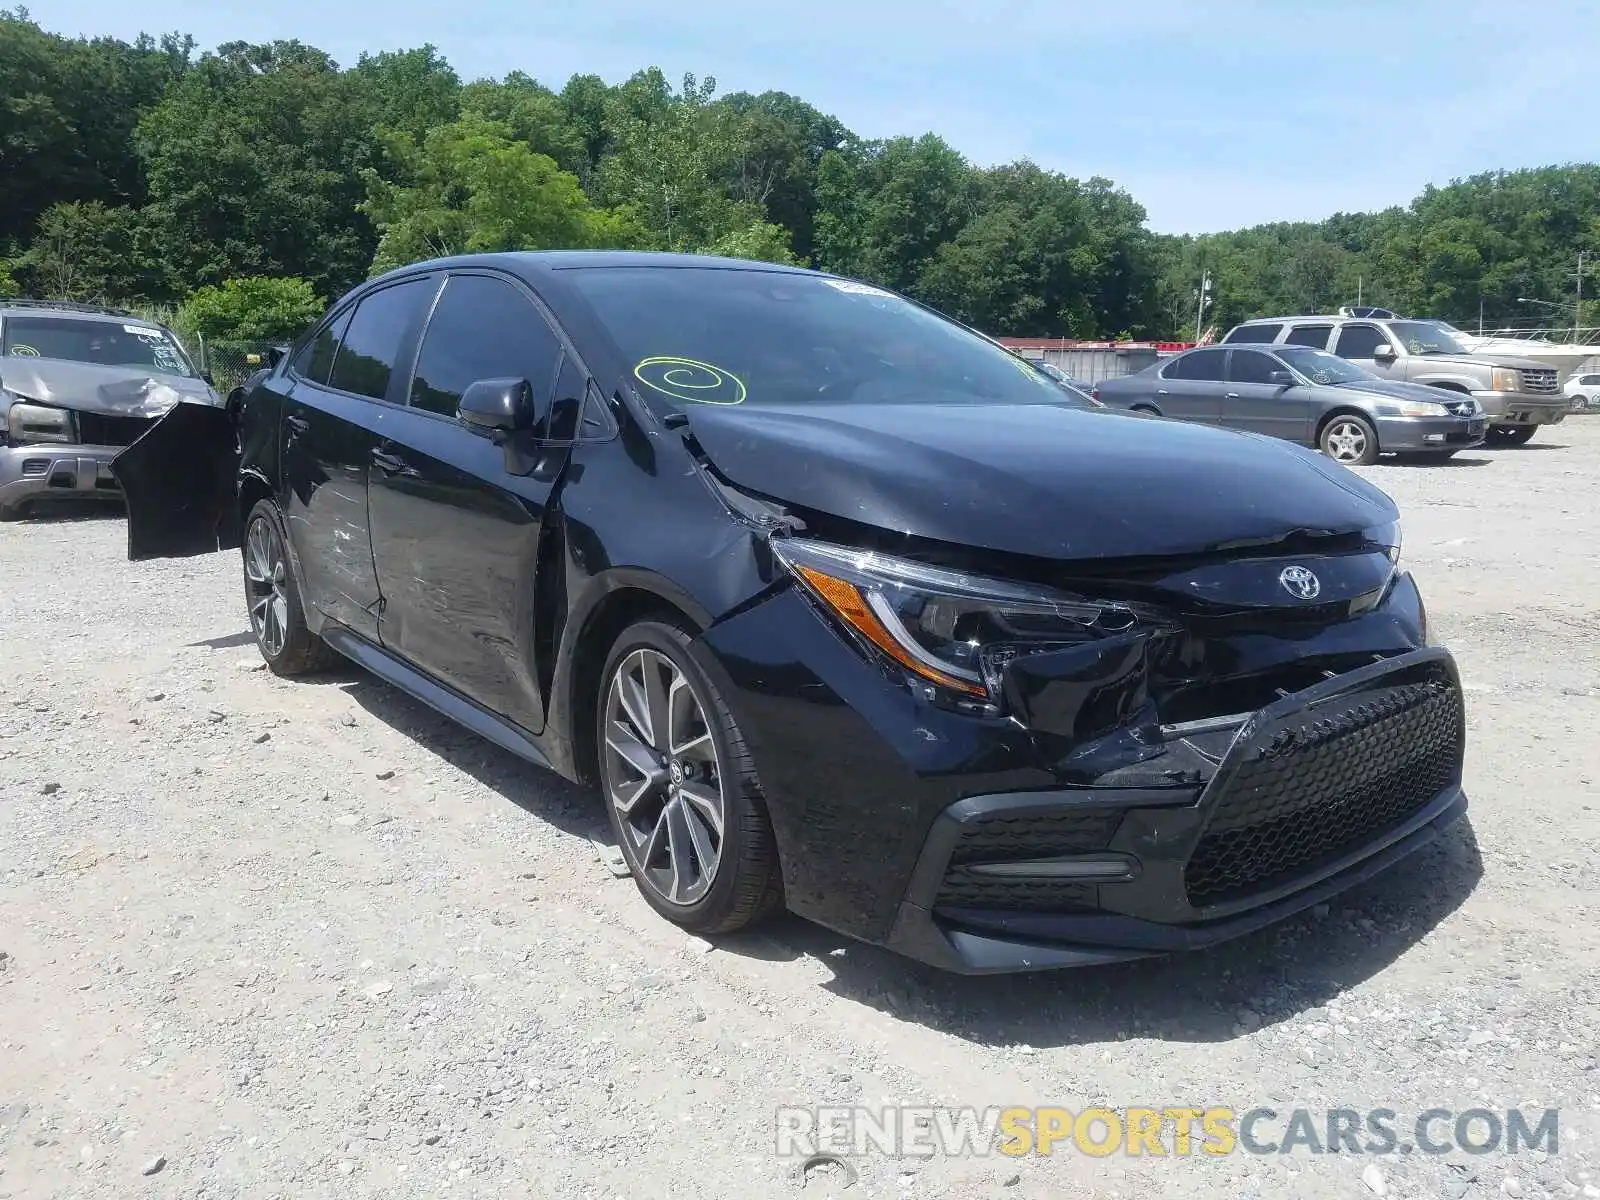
<point x="841" y="606"/>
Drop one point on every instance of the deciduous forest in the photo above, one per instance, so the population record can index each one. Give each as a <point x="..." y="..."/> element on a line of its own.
<point x="148" y="172"/>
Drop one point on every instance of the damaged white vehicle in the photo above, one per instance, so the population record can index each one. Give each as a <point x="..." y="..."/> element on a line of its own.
<point x="78" y="384"/>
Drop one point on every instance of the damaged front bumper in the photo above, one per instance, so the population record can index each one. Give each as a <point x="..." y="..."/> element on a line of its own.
<point x="1308" y="796"/>
<point x="51" y="471"/>
<point x="1088" y="828"/>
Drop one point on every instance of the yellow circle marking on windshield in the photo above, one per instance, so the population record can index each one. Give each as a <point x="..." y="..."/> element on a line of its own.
<point x="24" y="352"/>
<point x="690" y="380"/>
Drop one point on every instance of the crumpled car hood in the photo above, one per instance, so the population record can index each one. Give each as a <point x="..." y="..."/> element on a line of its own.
<point x="1041" y="480"/>
<point x="112" y="391"/>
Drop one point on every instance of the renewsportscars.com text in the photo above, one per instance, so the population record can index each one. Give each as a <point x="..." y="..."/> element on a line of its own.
<point x="1019" y="1131"/>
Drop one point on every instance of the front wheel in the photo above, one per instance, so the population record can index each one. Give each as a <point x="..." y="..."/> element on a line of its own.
<point x="1512" y="435"/>
<point x="277" y="617"/>
<point x="1350" y="440"/>
<point x="680" y="787"/>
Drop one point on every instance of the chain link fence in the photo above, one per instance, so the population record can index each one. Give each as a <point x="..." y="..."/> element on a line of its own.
<point x="231" y="363"/>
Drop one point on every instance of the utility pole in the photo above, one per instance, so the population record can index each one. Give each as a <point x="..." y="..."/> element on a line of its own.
<point x="1200" y="308"/>
<point x="1577" y="306"/>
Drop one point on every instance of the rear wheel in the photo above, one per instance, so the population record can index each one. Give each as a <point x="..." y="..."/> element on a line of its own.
<point x="1144" y="410"/>
<point x="1512" y="435"/>
<point x="1349" y="440"/>
<point x="277" y="617"/>
<point x="680" y="787"/>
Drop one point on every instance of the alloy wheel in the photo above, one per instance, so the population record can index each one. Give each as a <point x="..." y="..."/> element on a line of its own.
<point x="267" y="575"/>
<point x="663" y="777"/>
<point x="1346" y="442"/>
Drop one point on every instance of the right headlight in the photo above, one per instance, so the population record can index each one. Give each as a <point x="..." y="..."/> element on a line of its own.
<point x="39" y="423"/>
<point x="950" y="630"/>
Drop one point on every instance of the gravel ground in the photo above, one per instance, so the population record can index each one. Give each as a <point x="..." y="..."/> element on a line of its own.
<point x="261" y="938"/>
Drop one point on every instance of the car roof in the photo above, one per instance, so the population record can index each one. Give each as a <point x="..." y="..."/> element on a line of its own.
<point x="540" y="262"/>
<point x="10" y="308"/>
<point x="1305" y="317"/>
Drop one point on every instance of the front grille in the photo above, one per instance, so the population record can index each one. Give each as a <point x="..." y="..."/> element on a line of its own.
<point x="1541" y="380"/>
<point x="1009" y="837"/>
<point x="1323" y="787"/>
<point x="97" y="429"/>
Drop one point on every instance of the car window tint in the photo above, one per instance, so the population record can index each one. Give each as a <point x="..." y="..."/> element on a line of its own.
<point x="1251" y="366"/>
<point x="1359" y="341"/>
<point x="482" y="328"/>
<point x="316" y="358"/>
<point x="1203" y="364"/>
<point x="1315" y="336"/>
<point x="377" y="331"/>
<point x="1589" y="380"/>
<point x="1255" y="333"/>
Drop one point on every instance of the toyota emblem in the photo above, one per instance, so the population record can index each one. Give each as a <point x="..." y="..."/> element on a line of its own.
<point x="1300" y="583"/>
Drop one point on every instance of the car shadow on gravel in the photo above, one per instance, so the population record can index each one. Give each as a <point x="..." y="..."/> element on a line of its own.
<point x="1202" y="996"/>
<point x="544" y="794"/>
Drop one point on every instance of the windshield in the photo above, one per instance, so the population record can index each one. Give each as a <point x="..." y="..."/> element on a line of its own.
<point x="1426" y="337"/>
<point x="698" y="335"/>
<point x="101" y="343"/>
<point x="1321" y="367"/>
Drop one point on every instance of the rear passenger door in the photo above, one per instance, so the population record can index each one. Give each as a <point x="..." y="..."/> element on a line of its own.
<point x="457" y="513"/>
<point x="1254" y="402"/>
<point x="333" y="418"/>
<point x="1191" y="386"/>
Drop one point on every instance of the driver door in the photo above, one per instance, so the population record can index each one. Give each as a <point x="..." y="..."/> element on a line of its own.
<point x="1358" y="342"/>
<point x="1257" y="400"/>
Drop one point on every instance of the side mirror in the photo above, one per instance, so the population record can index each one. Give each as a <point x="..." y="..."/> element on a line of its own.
<point x="499" y="405"/>
<point x="1280" y="378"/>
<point x="275" y="355"/>
<point x="206" y="375"/>
<point x="1384" y="353"/>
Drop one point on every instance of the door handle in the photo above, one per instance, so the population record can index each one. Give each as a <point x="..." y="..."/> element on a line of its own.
<point x="297" y="424"/>
<point x="387" y="462"/>
<point x="1231" y="396"/>
<point x="1161" y="391"/>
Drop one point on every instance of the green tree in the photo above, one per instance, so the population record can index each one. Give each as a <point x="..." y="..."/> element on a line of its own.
<point x="884" y="208"/>
<point x="251" y="310"/>
<point x="760" y="240"/>
<point x="667" y="153"/>
<point x="409" y="90"/>
<point x="87" y="251"/>
<point x="471" y="187"/>
<point x="532" y="113"/>
<point x="253" y="160"/>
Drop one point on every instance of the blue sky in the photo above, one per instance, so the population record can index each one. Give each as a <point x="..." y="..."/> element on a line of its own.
<point x="1212" y="115"/>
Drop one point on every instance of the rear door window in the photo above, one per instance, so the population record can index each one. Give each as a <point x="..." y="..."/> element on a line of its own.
<point x="315" y="359"/>
<point x="382" y="326"/>
<point x="1200" y="365"/>
<point x="1315" y="336"/>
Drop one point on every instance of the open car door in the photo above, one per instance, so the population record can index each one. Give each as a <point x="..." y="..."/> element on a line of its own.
<point x="180" y="481"/>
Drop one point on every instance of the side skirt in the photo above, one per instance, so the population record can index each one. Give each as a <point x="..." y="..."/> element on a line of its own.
<point x="436" y="696"/>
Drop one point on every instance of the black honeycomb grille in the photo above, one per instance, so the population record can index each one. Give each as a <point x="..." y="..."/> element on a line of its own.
<point x="1321" y="788"/>
<point x="1012" y="836"/>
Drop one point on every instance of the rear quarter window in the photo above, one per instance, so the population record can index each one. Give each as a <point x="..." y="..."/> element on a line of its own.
<point x="1255" y="333"/>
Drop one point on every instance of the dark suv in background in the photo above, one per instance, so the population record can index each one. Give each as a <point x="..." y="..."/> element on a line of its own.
<point x="840" y="604"/>
<point x="78" y="383"/>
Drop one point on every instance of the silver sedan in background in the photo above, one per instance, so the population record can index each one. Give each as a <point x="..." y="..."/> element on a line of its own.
<point x="1306" y="396"/>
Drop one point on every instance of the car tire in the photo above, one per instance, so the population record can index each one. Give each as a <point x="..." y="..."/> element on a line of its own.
<point x="1512" y="435"/>
<point x="272" y="598"/>
<point x="686" y="792"/>
<point x="1144" y="410"/>
<point x="1349" y="440"/>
